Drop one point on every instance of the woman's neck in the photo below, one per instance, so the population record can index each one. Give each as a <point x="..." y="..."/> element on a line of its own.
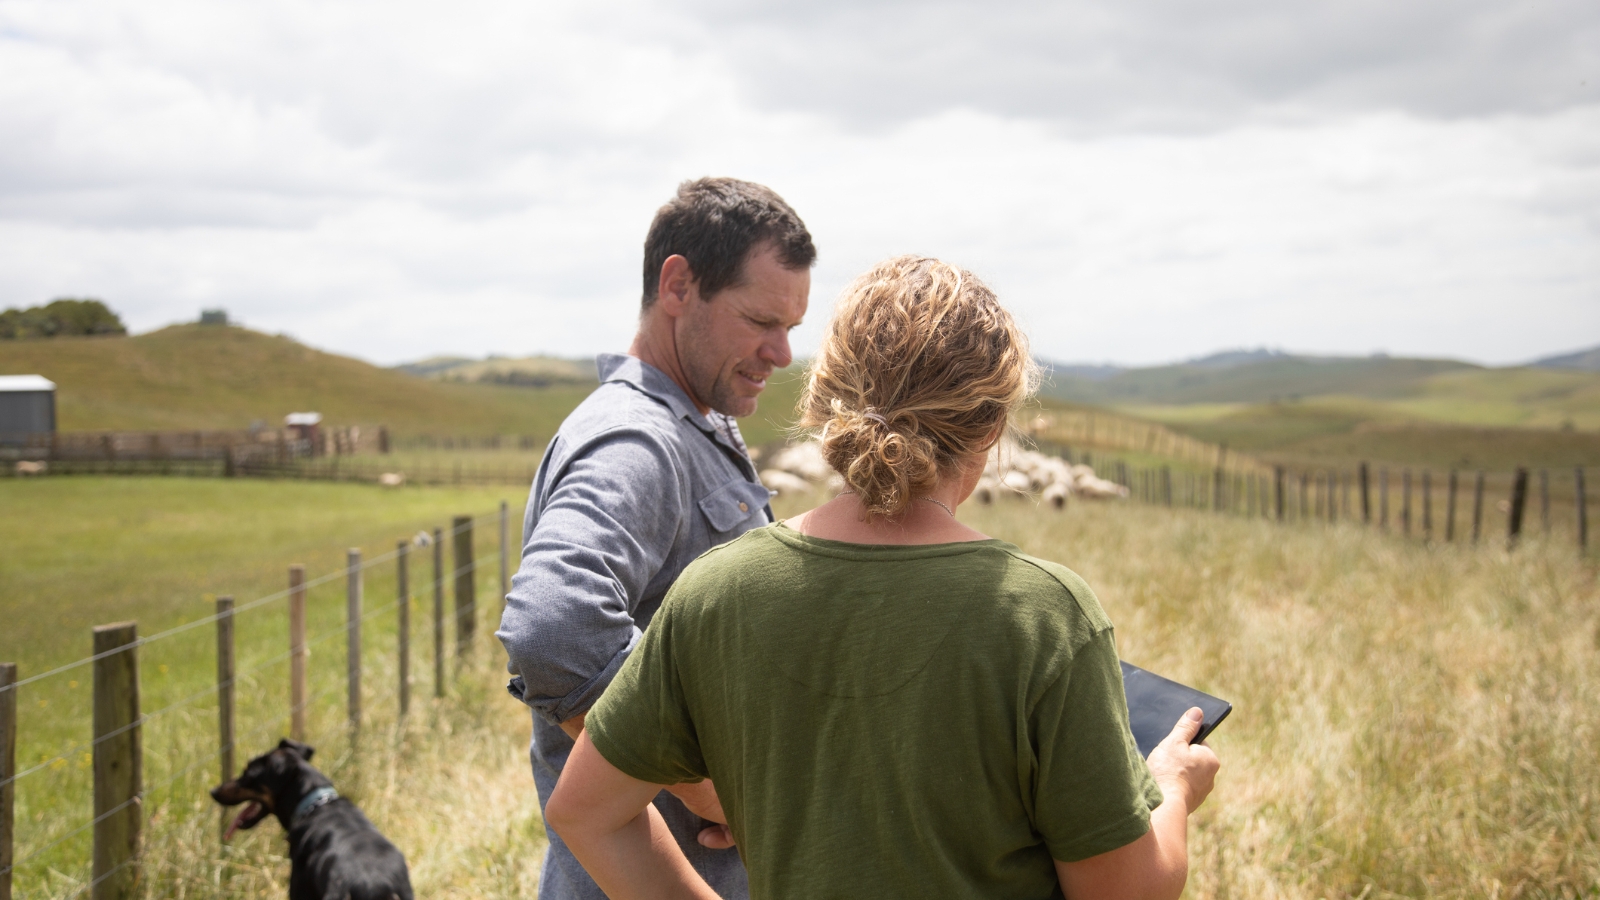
<point x="928" y="519"/>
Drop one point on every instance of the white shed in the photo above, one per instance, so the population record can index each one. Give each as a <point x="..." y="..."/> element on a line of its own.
<point x="27" y="406"/>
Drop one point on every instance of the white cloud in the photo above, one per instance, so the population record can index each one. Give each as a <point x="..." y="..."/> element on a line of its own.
<point x="394" y="180"/>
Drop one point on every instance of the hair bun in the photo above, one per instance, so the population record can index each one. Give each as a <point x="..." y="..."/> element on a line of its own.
<point x="931" y="343"/>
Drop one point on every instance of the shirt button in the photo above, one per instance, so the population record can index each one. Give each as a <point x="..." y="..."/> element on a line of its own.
<point x="743" y="506"/>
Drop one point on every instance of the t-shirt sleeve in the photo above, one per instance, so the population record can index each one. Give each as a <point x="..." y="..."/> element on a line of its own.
<point x="1094" y="792"/>
<point x="641" y="724"/>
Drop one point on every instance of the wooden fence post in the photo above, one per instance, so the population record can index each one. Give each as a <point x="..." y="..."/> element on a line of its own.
<point x="505" y="572"/>
<point x="466" y="584"/>
<point x="297" y="652"/>
<point x="225" y="695"/>
<point x="1383" y="499"/>
<point x="1427" y="505"/>
<point x="1304" y="483"/>
<point x="1450" y="510"/>
<point x="352" y="657"/>
<point x="1544" y="501"/>
<point x="438" y="613"/>
<point x="1277" y="490"/>
<point x="1519" y="500"/>
<point x="8" y="771"/>
<point x="1405" y="502"/>
<point x="118" y="762"/>
<point x="403" y="580"/>
<point x="1166" y="485"/>
<point x="1366" y="495"/>
<point x="1477" y="507"/>
<point x="1216" y="490"/>
<point x="1582" y="498"/>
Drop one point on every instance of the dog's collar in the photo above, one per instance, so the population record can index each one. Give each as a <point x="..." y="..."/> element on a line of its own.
<point x="311" y="803"/>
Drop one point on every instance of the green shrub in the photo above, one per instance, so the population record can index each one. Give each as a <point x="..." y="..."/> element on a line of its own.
<point x="61" y="317"/>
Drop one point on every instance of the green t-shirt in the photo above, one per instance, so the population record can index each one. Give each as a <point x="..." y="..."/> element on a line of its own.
<point x="928" y="721"/>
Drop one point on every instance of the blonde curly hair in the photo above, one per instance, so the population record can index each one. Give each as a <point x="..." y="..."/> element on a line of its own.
<point x="920" y="368"/>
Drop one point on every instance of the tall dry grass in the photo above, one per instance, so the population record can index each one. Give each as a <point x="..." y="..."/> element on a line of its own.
<point x="450" y="785"/>
<point x="1410" y="720"/>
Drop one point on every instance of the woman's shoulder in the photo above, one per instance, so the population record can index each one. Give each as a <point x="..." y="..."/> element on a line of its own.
<point x="1049" y="585"/>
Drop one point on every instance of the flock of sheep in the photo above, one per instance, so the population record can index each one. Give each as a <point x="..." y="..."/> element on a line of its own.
<point x="1011" y="472"/>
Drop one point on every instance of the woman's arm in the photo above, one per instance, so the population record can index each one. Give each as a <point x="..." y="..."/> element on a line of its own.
<point x="606" y="818"/>
<point x="1155" y="866"/>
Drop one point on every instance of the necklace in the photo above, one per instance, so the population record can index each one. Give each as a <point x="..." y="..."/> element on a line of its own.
<point x="929" y="499"/>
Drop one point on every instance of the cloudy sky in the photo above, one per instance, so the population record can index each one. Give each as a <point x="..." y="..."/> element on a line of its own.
<point x="1141" y="180"/>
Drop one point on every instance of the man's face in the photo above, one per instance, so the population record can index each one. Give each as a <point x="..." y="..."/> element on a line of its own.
<point x="728" y="345"/>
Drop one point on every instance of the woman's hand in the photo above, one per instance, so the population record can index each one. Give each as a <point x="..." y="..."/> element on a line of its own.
<point x="1185" y="772"/>
<point x="701" y="799"/>
<point x="1155" y="866"/>
<point x="610" y="825"/>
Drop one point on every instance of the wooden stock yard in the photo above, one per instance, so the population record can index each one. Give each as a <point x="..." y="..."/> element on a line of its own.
<point x="120" y="865"/>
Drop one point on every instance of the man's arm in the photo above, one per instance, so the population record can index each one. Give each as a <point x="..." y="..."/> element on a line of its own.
<point x="602" y="535"/>
<point x="607" y="821"/>
<point x="1156" y="866"/>
<point x="604" y="531"/>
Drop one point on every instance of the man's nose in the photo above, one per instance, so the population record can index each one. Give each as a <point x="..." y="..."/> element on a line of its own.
<point x="777" y="351"/>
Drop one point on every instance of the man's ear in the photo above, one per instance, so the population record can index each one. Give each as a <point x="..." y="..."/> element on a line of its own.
<point x="305" y="750"/>
<point x="677" y="286"/>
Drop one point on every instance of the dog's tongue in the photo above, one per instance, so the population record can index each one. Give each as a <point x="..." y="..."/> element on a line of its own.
<point x="250" y="811"/>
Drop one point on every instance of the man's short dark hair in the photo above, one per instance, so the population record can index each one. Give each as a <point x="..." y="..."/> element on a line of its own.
<point x="714" y="223"/>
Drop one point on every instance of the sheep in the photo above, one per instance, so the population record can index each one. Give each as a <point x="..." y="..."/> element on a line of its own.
<point x="784" y="483"/>
<point x="392" y="479"/>
<point x="804" y="460"/>
<point x="26" y="467"/>
<point x="1056" y="495"/>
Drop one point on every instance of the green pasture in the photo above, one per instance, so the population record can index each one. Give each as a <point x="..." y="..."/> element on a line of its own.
<point x="1323" y="430"/>
<point x="83" y="551"/>
<point x="1412" y="718"/>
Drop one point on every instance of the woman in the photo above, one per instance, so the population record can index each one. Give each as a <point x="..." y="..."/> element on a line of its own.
<point x="889" y="702"/>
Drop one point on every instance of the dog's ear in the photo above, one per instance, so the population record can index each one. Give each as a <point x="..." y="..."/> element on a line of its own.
<point x="304" y="750"/>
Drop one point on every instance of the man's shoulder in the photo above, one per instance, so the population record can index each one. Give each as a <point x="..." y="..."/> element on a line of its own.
<point x="613" y="407"/>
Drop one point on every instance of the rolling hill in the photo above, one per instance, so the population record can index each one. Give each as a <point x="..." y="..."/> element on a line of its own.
<point x="1303" y="409"/>
<point x="225" y="377"/>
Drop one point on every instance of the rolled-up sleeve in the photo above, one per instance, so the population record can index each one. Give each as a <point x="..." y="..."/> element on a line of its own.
<point x="601" y="534"/>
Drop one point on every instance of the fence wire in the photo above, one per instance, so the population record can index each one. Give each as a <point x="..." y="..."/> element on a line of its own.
<point x="211" y="690"/>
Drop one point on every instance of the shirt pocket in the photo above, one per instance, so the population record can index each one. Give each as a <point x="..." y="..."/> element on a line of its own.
<point x="733" y="504"/>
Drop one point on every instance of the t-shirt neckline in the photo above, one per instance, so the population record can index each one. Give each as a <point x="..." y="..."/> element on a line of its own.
<point x="828" y="547"/>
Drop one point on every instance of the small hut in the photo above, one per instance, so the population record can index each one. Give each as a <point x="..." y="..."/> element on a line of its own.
<point x="307" y="427"/>
<point x="27" y="407"/>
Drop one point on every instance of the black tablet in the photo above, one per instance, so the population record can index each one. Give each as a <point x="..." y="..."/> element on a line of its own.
<point x="1155" y="705"/>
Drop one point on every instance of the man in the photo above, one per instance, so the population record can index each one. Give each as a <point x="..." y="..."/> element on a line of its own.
<point x="648" y="473"/>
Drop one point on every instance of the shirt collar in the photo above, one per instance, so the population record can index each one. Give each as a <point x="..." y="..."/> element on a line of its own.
<point x="648" y="379"/>
<point x="653" y="382"/>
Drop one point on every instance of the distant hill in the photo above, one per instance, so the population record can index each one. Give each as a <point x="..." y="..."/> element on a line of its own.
<point x="1249" y="376"/>
<point x="529" y="371"/>
<point x="1302" y="408"/>
<point x="223" y="377"/>
<point x="1585" y="360"/>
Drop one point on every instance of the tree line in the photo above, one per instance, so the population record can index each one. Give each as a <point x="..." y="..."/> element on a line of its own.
<point x="60" y="318"/>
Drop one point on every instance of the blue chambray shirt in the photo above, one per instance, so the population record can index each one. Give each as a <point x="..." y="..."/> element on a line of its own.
<point x="634" y="486"/>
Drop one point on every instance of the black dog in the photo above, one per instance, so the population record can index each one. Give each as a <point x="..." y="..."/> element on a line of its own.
<point x="335" y="853"/>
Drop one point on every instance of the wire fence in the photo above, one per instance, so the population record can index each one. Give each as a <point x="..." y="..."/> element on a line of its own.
<point x="1450" y="506"/>
<point x="118" y="747"/>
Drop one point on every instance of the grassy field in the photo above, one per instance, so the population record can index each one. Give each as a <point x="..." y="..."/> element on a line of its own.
<point x="1412" y="719"/>
<point x="85" y="551"/>
<point x="1461" y="416"/>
